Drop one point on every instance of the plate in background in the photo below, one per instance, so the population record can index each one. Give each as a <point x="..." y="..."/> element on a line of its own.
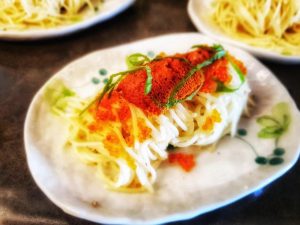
<point x="109" y="9"/>
<point x="200" y="13"/>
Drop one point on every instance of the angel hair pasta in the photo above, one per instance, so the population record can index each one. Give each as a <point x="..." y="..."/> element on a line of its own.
<point x="271" y="24"/>
<point x="25" y="14"/>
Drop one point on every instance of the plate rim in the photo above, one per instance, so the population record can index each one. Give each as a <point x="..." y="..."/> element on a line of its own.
<point x="64" y="30"/>
<point x="259" y="52"/>
<point x="169" y="218"/>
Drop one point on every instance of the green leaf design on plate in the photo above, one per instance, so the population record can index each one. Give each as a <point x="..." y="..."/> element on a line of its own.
<point x="261" y="160"/>
<point x="267" y="121"/>
<point x="276" y="161"/>
<point x="281" y="112"/>
<point x="279" y="151"/>
<point x="270" y="132"/>
<point x="56" y="94"/>
<point x="242" y="132"/>
<point x="276" y="124"/>
<point x="103" y="72"/>
<point x="95" y="80"/>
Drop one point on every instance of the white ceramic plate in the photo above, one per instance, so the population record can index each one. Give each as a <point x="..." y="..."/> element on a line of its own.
<point x="108" y="9"/>
<point x="200" y="13"/>
<point x="220" y="177"/>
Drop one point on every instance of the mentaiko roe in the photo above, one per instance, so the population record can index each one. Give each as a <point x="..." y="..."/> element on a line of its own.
<point x="186" y="161"/>
<point x="167" y="72"/>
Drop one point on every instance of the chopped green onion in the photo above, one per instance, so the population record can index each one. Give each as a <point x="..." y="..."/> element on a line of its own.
<point x="219" y="54"/>
<point x="136" y="60"/>
<point x="109" y="87"/>
<point x="222" y="88"/>
<point x="148" y="84"/>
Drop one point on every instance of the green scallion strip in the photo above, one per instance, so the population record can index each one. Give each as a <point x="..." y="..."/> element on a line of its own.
<point x="200" y="46"/>
<point x="148" y="84"/>
<point x="136" y="60"/>
<point x="172" y="101"/>
<point x="109" y="87"/>
<point x="191" y="96"/>
<point x="222" y="88"/>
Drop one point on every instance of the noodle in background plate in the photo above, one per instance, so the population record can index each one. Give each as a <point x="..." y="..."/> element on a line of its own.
<point x="23" y="14"/>
<point x="271" y="24"/>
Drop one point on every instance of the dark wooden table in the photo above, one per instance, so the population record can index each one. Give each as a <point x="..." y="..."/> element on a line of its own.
<point x="24" y="67"/>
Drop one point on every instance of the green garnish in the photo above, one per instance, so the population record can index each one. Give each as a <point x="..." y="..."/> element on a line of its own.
<point x="220" y="52"/>
<point x="198" y="46"/>
<point x="109" y="87"/>
<point x="136" y="60"/>
<point x="111" y="83"/>
<point x="222" y="88"/>
<point x="216" y="47"/>
<point x="148" y="85"/>
<point x="171" y="57"/>
<point x="191" y="96"/>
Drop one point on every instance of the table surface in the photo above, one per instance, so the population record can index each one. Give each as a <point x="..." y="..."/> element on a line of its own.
<point x="24" y="67"/>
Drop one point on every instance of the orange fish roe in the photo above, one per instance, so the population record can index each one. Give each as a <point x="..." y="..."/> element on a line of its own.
<point x="144" y="131"/>
<point x="239" y="64"/>
<point x="126" y="133"/>
<point x="197" y="56"/>
<point x="135" y="183"/>
<point x="132" y="88"/>
<point x="113" y="145"/>
<point x="216" y="72"/>
<point x="211" y="120"/>
<point x="168" y="72"/>
<point x="112" y="138"/>
<point x="186" y="161"/>
<point x="116" y="109"/>
<point x="93" y="127"/>
<point x="81" y="136"/>
<point x="113" y="108"/>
